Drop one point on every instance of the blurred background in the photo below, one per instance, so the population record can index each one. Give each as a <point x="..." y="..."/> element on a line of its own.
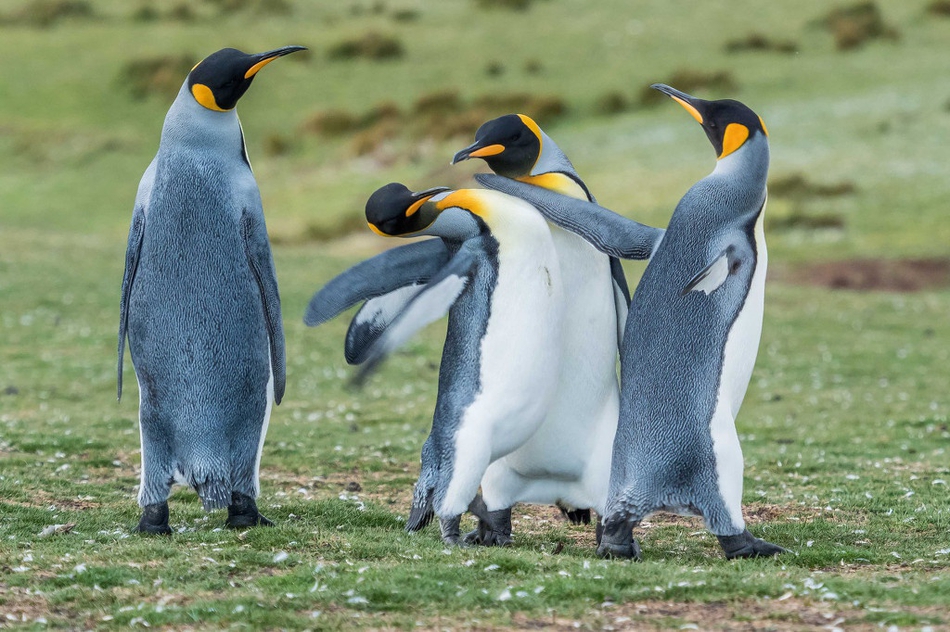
<point x="856" y="96"/>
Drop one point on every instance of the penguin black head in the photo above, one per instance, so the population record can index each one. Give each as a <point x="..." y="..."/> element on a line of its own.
<point x="510" y="145"/>
<point x="728" y="124"/>
<point x="394" y="210"/>
<point x="220" y="79"/>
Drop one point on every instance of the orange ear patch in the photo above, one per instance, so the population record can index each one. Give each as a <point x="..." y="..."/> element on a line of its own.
<point x="205" y="97"/>
<point x="735" y="135"/>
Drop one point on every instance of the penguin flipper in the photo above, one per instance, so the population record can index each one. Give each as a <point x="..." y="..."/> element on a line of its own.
<point x="257" y="250"/>
<point x="372" y="320"/>
<point x="608" y="232"/>
<point x="387" y="272"/>
<point x="711" y="278"/>
<point x="427" y="306"/>
<point x="621" y="297"/>
<point x="136" y="232"/>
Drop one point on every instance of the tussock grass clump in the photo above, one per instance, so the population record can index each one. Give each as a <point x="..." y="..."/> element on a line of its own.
<point x="263" y="7"/>
<point x="405" y="15"/>
<point x="854" y="25"/>
<point x="613" y="102"/>
<point x="939" y="7"/>
<point x="757" y="42"/>
<point x="371" y="45"/>
<point x="690" y="80"/>
<point x="797" y="186"/>
<point x="513" y="5"/>
<point x="161" y="75"/>
<point x="438" y="115"/>
<point x="45" y="13"/>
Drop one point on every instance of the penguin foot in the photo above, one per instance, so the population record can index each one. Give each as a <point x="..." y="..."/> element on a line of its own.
<point x="243" y="513"/>
<point x="493" y="530"/>
<point x="616" y="541"/>
<point x="747" y="545"/>
<point x="575" y="516"/>
<point x="451" y="529"/>
<point x="599" y="530"/>
<point x="155" y="519"/>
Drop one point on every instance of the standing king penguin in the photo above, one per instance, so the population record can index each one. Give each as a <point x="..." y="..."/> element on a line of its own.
<point x="691" y="338"/>
<point x="567" y="462"/>
<point x="200" y="304"/>
<point x="501" y="286"/>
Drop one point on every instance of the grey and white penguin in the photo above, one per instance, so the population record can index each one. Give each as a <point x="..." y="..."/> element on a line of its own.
<point x="501" y="286"/>
<point x="567" y="461"/>
<point x="691" y="338"/>
<point x="200" y="305"/>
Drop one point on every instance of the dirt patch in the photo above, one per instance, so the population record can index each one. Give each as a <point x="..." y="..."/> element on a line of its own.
<point x="888" y="275"/>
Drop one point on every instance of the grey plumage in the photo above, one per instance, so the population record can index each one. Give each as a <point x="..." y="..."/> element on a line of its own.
<point x="201" y="309"/>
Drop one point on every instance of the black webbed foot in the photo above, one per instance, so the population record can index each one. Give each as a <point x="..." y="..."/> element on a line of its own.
<point x="451" y="528"/>
<point x="493" y="530"/>
<point x="747" y="545"/>
<point x="243" y="513"/>
<point x="617" y="541"/>
<point x="155" y="519"/>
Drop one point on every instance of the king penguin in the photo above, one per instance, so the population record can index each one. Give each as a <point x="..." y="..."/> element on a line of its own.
<point x="200" y="305"/>
<point x="567" y="462"/>
<point x="501" y="285"/>
<point x="691" y="338"/>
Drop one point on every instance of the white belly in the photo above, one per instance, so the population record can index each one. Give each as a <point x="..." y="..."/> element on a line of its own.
<point x="520" y="363"/>
<point x="568" y="458"/>
<point x="741" y="348"/>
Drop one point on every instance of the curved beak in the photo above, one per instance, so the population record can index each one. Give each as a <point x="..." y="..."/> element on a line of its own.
<point x="420" y="195"/>
<point x="477" y="150"/>
<point x="262" y="59"/>
<point x="690" y="103"/>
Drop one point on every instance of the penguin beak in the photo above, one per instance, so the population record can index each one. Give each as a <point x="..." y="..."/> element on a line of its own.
<point x="425" y="195"/>
<point x="262" y="59"/>
<point x="477" y="150"/>
<point x="690" y="103"/>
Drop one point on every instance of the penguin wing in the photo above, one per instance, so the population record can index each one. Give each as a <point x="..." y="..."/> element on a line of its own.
<point x="621" y="297"/>
<point x="608" y="232"/>
<point x="257" y="250"/>
<point x="373" y="319"/>
<point x="385" y="273"/>
<point x="728" y="263"/>
<point x="427" y="306"/>
<point x="136" y="232"/>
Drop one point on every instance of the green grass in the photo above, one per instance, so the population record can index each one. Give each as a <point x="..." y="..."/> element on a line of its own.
<point x="844" y="429"/>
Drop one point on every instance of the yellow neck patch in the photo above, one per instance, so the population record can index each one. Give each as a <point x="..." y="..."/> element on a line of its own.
<point x="764" y="129"/>
<point x="530" y="124"/>
<point x="689" y="108"/>
<point x="468" y="199"/>
<point x="736" y="134"/>
<point x="205" y="97"/>
<point x="253" y="69"/>
<point x="556" y="182"/>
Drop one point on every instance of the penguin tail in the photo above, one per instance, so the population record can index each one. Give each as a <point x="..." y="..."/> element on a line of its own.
<point x="214" y="494"/>
<point x="421" y="512"/>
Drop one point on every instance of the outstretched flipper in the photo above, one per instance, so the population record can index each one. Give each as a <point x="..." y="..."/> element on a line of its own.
<point x="607" y="231"/>
<point x="372" y="320"/>
<point x="412" y="264"/>
<point x="257" y="250"/>
<point x="427" y="306"/>
<point x="136" y="232"/>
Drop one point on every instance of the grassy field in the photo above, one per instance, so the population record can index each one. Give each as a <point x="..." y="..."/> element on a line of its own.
<point x="844" y="429"/>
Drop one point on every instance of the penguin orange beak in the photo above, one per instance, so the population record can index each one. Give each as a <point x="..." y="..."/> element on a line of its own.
<point x="262" y="59"/>
<point x="690" y="103"/>
<point x="478" y="150"/>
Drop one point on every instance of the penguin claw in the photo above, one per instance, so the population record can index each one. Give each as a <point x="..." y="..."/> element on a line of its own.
<point x="243" y="513"/>
<point x="487" y="537"/>
<point x="747" y="545"/>
<point x="611" y="551"/>
<point x="616" y="541"/>
<point x="154" y="520"/>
